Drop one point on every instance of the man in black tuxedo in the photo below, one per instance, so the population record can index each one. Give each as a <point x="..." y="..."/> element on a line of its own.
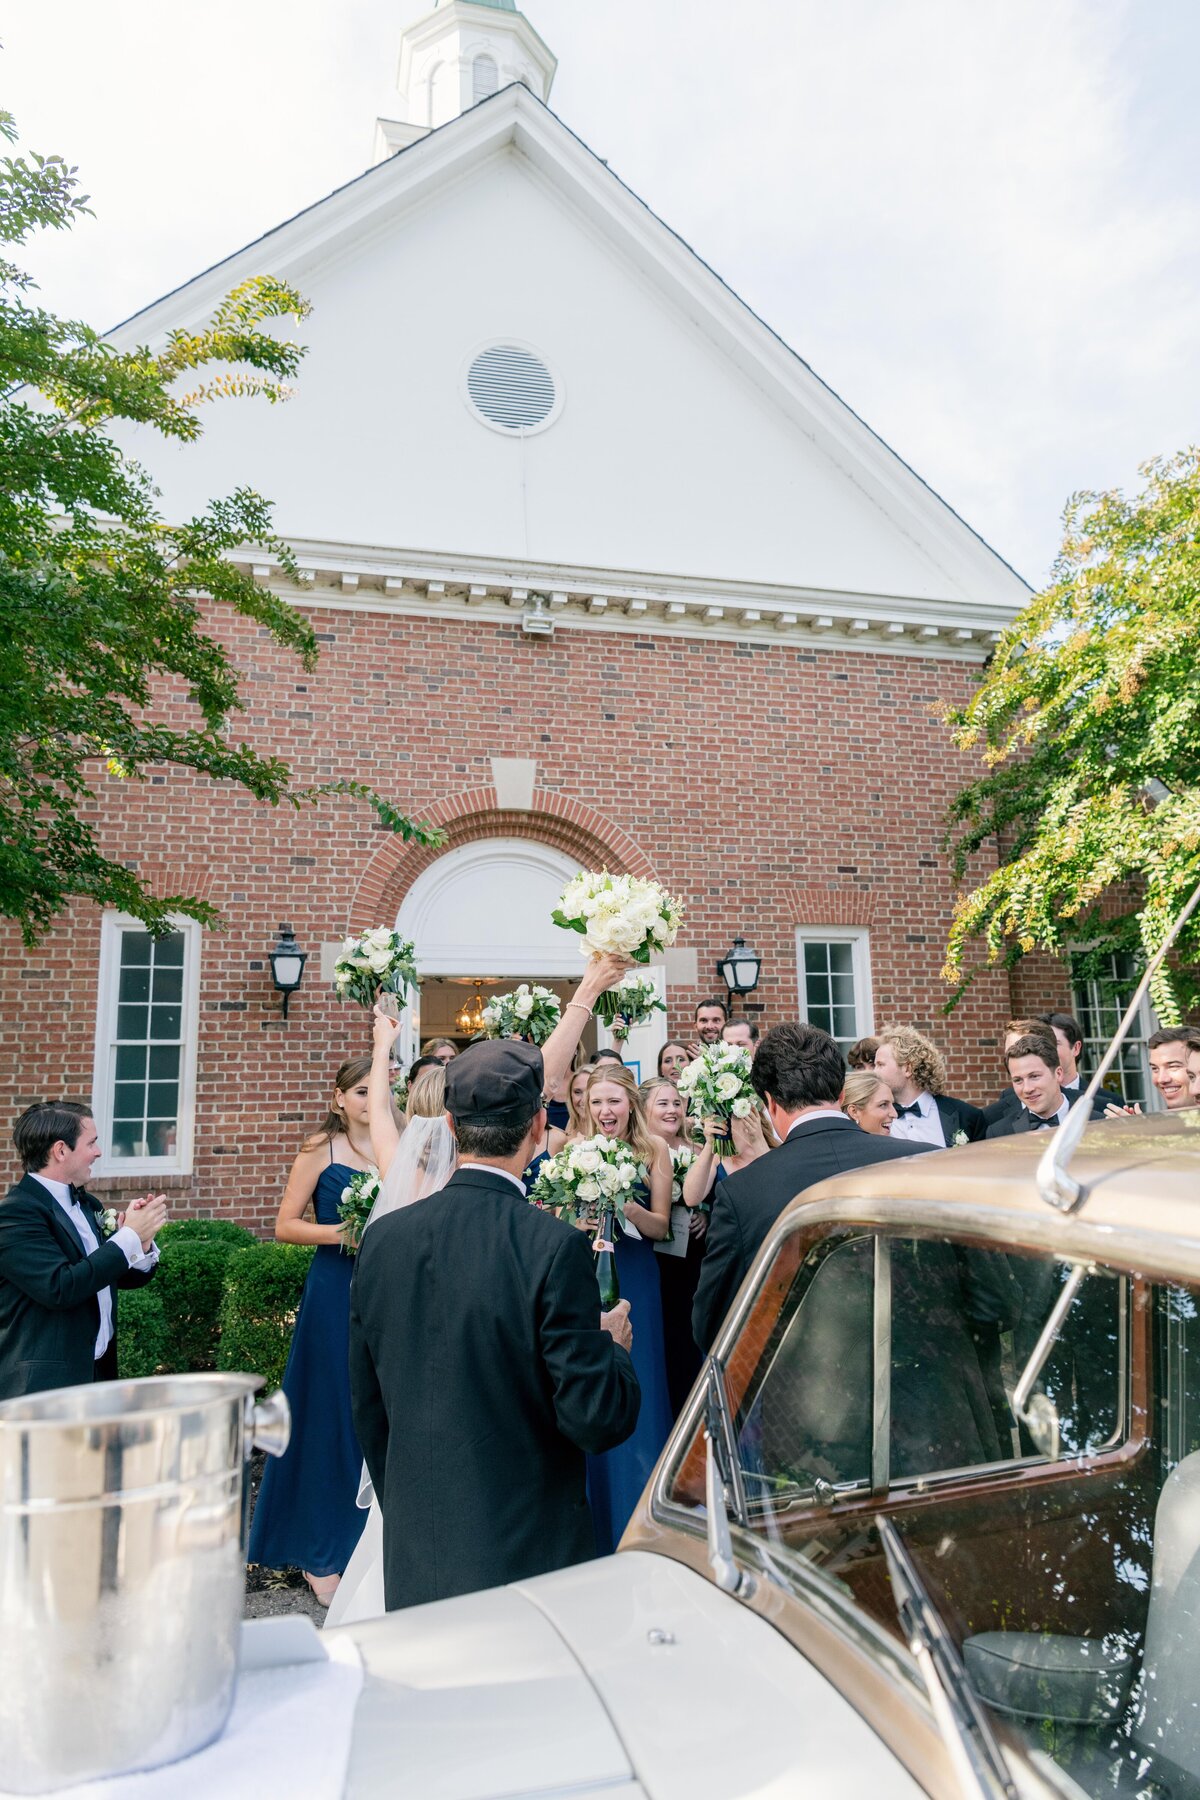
<point x="915" y="1070"/>
<point x="481" y="1367"/>
<point x="799" y="1074"/>
<point x="1069" y="1037"/>
<point x="1037" y="1079"/>
<point x="59" y="1275"/>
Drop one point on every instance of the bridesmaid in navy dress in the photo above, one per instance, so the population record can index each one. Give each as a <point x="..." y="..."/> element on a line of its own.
<point x="307" y="1515"/>
<point x="616" y="1480"/>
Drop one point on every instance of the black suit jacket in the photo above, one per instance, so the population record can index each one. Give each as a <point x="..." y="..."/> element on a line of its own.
<point x="49" y="1313"/>
<point x="960" y="1115"/>
<point x="747" y="1204"/>
<point x="480" y="1377"/>
<point x="1013" y="1124"/>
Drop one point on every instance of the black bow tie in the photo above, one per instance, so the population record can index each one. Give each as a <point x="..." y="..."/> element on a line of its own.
<point x="909" y="1112"/>
<point x="1037" y="1124"/>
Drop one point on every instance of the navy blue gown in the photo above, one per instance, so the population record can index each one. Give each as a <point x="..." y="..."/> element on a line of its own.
<point x="616" y="1480"/>
<point x="307" y="1516"/>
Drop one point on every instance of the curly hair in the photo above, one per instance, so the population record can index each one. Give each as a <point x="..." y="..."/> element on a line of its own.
<point x="919" y="1055"/>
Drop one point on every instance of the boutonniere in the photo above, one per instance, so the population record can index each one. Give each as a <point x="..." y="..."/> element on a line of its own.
<point x="960" y="1137"/>
<point x="106" y="1218"/>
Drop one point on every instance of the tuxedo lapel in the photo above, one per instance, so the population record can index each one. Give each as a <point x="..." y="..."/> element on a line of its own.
<point x="62" y="1226"/>
<point x="949" y="1115"/>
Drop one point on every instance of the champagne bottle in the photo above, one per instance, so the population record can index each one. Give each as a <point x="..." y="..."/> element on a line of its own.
<point x="606" y="1260"/>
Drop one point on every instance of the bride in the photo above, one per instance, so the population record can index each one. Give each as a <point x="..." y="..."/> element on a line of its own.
<point x="415" y="1160"/>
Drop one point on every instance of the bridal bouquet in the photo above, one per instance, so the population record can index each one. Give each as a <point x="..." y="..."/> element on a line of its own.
<point x="528" y="1012"/>
<point x="717" y="1085"/>
<point x="635" y="997"/>
<point x="618" y="914"/>
<point x="354" y="1208"/>
<point x="585" y="1176"/>
<point x="681" y="1161"/>
<point x="378" y="962"/>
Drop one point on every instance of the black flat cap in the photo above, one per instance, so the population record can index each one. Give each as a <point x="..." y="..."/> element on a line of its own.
<point x="498" y="1082"/>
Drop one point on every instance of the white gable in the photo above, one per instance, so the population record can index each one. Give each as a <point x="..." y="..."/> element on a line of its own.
<point x="689" y="441"/>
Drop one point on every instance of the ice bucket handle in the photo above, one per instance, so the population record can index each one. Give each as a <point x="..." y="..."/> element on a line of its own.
<point x="268" y="1423"/>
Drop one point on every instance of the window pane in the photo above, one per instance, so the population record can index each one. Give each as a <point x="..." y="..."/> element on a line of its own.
<point x="129" y="1099"/>
<point x="168" y="952"/>
<point x="843" y="989"/>
<point x="162" y="1138"/>
<point x="162" y="1099"/>
<point x="131" y="1062"/>
<point x="135" y="949"/>
<point x="167" y="1022"/>
<point x="844" y="1025"/>
<point x="164" y="1063"/>
<point x="817" y="989"/>
<point x="126" y="1138"/>
<point x="168" y="984"/>
<point x="841" y="959"/>
<point x="134" y="984"/>
<point x="816" y="958"/>
<point x="133" y="1022"/>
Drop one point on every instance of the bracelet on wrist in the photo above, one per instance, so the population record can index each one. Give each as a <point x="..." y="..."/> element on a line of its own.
<point x="578" y="1005"/>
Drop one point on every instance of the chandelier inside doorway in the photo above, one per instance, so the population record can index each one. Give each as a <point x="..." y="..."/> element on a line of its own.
<point x="469" y="1020"/>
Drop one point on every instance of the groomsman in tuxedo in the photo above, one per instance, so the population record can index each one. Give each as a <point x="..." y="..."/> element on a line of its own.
<point x="481" y="1366"/>
<point x="798" y="1073"/>
<point x="710" y="1019"/>
<point x="1069" y="1038"/>
<point x="914" y="1069"/>
<point x="1037" y="1079"/>
<point x="59" y="1273"/>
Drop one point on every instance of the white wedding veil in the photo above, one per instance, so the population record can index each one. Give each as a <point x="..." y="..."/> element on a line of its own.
<point x="422" y="1164"/>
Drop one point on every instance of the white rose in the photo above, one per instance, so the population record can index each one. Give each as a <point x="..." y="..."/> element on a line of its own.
<point x="523" y="1006"/>
<point x="728" y="1086"/>
<point x="628" y="1175"/>
<point x="380" y="961"/>
<point x="742" y="1108"/>
<point x="587" y="1161"/>
<point x="588" y="1190"/>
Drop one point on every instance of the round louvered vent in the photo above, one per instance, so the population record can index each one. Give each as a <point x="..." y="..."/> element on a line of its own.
<point x="511" y="388"/>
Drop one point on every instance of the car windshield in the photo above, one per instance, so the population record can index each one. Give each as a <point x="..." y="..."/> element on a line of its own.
<point x="874" y="1374"/>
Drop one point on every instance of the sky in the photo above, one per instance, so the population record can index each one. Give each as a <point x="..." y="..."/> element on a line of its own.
<point x="975" y="219"/>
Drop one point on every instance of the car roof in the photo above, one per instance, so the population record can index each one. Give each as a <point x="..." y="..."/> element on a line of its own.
<point x="1141" y="1206"/>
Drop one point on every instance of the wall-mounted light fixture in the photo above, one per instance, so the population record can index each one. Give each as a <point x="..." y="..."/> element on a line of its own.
<point x="287" y="965"/>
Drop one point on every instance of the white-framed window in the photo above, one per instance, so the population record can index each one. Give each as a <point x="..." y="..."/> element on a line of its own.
<point x="485" y="78"/>
<point x="834" y="970"/>
<point x="147" y="1027"/>
<point x="1099" y="1005"/>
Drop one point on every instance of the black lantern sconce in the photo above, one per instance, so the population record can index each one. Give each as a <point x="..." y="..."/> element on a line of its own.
<point x="740" y="970"/>
<point x="287" y="964"/>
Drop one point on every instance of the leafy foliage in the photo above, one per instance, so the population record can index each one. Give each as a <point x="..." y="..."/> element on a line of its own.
<point x="263" y="1285"/>
<point x="104" y="605"/>
<point x="1089" y="725"/>
<point x="141" y="1333"/>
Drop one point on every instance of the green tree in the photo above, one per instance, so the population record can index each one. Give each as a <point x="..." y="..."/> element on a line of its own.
<point x="1088" y="720"/>
<point x="104" y="605"/>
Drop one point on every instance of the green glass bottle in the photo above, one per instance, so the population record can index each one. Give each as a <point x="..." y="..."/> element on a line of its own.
<point x="606" y="1260"/>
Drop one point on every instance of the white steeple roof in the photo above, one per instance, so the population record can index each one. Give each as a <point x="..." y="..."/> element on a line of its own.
<point x="458" y="54"/>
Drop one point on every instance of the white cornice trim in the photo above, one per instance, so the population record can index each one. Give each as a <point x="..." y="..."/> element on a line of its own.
<point x="431" y="584"/>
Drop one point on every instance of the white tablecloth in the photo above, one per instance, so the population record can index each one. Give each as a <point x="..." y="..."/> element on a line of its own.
<point x="288" y="1734"/>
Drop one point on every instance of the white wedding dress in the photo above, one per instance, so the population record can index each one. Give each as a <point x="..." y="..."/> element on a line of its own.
<point x="422" y="1165"/>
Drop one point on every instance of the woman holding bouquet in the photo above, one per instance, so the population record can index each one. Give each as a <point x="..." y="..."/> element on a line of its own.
<point x="666" y="1116"/>
<point x="616" y="1479"/>
<point x="750" y="1141"/>
<point x="307" y="1515"/>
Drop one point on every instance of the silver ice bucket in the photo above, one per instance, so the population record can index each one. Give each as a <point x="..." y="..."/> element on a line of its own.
<point x="122" y="1571"/>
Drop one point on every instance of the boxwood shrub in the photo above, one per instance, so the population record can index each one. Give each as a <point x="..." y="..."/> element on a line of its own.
<point x="263" y="1283"/>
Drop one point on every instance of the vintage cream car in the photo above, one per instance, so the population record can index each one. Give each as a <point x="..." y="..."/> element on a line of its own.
<point x="857" y="1569"/>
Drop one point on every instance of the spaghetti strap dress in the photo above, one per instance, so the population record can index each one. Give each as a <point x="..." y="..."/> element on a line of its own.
<point x="307" y="1516"/>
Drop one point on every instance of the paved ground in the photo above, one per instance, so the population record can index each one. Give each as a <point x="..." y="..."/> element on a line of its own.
<point x="272" y="1592"/>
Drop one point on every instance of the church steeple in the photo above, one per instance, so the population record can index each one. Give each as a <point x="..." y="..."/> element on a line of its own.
<point x="457" y="55"/>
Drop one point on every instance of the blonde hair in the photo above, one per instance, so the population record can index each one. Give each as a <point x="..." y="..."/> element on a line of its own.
<point x="576" y="1126"/>
<point x="427" y="1095"/>
<point x="639" y="1137"/>
<point x="861" y="1086"/>
<point x="919" y="1055"/>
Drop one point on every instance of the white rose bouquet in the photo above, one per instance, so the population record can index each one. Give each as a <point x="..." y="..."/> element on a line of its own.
<point x="618" y="915"/>
<point x="378" y="962"/>
<point x="635" y="997"/>
<point x="717" y="1085"/>
<point x="583" y="1177"/>
<point x="354" y="1208"/>
<point x="681" y="1161"/>
<point x="528" y="1012"/>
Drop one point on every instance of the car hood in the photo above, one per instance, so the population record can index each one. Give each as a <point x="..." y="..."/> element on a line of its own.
<point x="631" y="1678"/>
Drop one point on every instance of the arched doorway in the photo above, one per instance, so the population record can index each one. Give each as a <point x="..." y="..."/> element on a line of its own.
<point x="480" y="917"/>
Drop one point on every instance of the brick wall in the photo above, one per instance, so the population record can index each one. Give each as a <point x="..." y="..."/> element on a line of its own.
<point x="767" y="786"/>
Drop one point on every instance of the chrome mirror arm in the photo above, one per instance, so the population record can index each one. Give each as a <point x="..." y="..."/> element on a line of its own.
<point x="1056" y="1185"/>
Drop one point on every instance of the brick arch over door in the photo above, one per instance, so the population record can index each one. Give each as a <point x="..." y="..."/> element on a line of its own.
<point x="580" y="833"/>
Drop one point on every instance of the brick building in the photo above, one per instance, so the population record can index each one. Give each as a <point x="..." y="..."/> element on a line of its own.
<point x="602" y="574"/>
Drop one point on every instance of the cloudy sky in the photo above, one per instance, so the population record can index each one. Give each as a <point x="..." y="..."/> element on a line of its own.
<point x="976" y="219"/>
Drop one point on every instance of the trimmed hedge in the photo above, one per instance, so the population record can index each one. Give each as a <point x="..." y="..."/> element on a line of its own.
<point x="141" y="1332"/>
<point x="263" y="1284"/>
<point x="221" y="1231"/>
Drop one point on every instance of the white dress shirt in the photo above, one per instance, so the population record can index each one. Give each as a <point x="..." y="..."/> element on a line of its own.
<point x="816" y="1112"/>
<point x="491" y="1169"/>
<point x="927" y="1129"/>
<point x="125" y="1236"/>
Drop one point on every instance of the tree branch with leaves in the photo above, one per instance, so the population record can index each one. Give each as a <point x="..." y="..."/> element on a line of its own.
<point x="102" y="600"/>
<point x="1088" y="721"/>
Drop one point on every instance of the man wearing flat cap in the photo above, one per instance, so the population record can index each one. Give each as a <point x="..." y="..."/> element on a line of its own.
<point x="481" y="1367"/>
